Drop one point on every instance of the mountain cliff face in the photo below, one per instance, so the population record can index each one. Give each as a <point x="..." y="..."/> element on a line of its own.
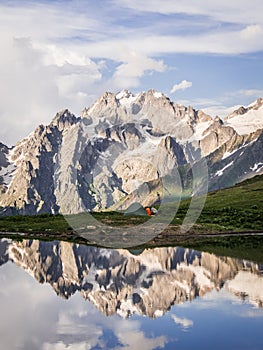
<point x="119" y="144"/>
<point x="145" y="282"/>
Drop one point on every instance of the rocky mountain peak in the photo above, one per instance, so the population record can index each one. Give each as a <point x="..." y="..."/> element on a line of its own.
<point x="218" y="121"/>
<point x="124" y="94"/>
<point x="202" y="117"/>
<point x="107" y="99"/>
<point x="157" y="99"/>
<point x="148" y="107"/>
<point x="216" y="135"/>
<point x="243" y="110"/>
<point x="246" y="120"/>
<point x="64" y="119"/>
<point x="258" y="103"/>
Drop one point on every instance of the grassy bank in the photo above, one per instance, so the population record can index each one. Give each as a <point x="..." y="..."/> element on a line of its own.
<point x="239" y="208"/>
<point x="236" y="209"/>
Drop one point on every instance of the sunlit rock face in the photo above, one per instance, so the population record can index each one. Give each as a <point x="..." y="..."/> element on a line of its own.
<point x="120" y="143"/>
<point x="145" y="282"/>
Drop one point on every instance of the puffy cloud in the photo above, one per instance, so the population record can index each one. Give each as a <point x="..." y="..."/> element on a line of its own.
<point x="181" y="86"/>
<point x="32" y="91"/>
<point x="184" y="322"/>
<point x="136" y="339"/>
<point x="128" y="73"/>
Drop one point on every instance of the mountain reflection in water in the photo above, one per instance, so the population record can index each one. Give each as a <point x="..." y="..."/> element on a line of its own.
<point x="147" y="282"/>
<point x="128" y="283"/>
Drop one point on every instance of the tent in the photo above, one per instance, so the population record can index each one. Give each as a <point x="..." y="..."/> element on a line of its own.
<point x="135" y="209"/>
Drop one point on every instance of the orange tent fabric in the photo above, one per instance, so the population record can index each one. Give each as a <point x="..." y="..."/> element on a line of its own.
<point x="148" y="211"/>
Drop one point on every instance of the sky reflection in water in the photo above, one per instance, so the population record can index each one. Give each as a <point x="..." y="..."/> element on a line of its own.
<point x="33" y="316"/>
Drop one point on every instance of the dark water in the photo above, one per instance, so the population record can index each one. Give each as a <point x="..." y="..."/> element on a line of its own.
<point x="57" y="295"/>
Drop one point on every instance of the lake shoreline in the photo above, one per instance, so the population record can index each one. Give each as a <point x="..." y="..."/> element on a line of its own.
<point x="237" y="244"/>
<point x="170" y="236"/>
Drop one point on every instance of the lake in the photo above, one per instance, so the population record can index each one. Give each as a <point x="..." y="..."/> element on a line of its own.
<point x="58" y="295"/>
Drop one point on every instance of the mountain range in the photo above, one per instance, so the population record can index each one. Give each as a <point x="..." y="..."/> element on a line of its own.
<point x="147" y="282"/>
<point x="120" y="148"/>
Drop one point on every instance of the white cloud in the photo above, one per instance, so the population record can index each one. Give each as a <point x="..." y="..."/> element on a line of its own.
<point x="128" y="73"/>
<point x="136" y="339"/>
<point x="181" y="86"/>
<point x="184" y="322"/>
<point x="32" y="91"/>
<point x="236" y="11"/>
<point x="256" y="93"/>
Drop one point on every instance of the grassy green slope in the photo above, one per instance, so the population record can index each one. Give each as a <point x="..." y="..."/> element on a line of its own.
<point x="243" y="195"/>
<point x="239" y="208"/>
<point x="236" y="208"/>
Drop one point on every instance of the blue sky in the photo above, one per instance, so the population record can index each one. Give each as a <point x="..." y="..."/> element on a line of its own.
<point x="65" y="54"/>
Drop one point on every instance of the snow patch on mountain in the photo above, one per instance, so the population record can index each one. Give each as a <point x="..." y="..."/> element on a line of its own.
<point x="221" y="171"/>
<point x="248" y="285"/>
<point x="182" y="285"/>
<point x="127" y="308"/>
<point x="199" y="131"/>
<point x="257" y="167"/>
<point x="158" y="94"/>
<point x="202" y="275"/>
<point x="246" y="123"/>
<point x="126" y="98"/>
<point x="7" y="173"/>
<point x="228" y="154"/>
<point x="92" y="278"/>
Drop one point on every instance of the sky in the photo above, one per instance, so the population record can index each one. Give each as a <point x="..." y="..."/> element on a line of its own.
<point x="66" y="53"/>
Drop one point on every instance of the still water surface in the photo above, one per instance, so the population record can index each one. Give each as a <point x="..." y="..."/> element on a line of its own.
<point x="57" y="295"/>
